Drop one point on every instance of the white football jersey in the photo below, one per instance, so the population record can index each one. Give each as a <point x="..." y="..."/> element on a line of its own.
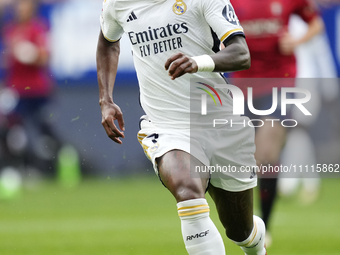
<point x="158" y="29"/>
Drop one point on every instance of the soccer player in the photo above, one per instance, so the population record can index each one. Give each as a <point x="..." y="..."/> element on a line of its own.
<point x="173" y="42"/>
<point x="272" y="48"/>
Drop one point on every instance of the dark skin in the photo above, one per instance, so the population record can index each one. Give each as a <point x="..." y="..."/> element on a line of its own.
<point x="234" y="57"/>
<point x="235" y="208"/>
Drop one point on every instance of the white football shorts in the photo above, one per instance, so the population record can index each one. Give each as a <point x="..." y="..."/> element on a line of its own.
<point x="229" y="153"/>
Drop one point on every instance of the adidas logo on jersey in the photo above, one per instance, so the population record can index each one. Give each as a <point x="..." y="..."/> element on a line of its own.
<point x="132" y="17"/>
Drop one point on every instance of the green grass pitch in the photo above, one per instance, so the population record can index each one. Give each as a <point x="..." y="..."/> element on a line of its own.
<point x="138" y="216"/>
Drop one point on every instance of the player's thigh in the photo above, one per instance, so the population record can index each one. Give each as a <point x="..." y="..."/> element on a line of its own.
<point x="175" y="169"/>
<point x="235" y="210"/>
<point x="269" y="140"/>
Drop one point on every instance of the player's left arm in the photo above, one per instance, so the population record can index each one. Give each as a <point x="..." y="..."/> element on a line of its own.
<point x="234" y="57"/>
<point x="222" y="19"/>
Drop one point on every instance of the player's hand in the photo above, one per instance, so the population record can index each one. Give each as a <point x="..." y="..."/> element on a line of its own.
<point x="287" y="44"/>
<point x="180" y="64"/>
<point x="110" y="113"/>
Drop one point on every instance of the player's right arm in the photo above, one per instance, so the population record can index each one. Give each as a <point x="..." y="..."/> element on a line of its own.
<point x="107" y="64"/>
<point x="108" y="50"/>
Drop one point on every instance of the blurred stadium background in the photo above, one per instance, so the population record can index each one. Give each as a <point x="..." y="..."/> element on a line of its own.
<point x="119" y="207"/>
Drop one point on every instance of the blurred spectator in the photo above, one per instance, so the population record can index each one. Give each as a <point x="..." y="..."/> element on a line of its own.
<point x="314" y="61"/>
<point x="28" y="139"/>
<point x="272" y="49"/>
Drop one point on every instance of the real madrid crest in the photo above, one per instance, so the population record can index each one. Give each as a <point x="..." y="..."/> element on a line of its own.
<point x="154" y="147"/>
<point x="179" y="7"/>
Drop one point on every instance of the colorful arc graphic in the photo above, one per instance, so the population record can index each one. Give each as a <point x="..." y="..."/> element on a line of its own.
<point x="208" y="94"/>
<point x="213" y="90"/>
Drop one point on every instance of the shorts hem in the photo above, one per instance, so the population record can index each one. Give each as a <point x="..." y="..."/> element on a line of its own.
<point x="240" y="187"/>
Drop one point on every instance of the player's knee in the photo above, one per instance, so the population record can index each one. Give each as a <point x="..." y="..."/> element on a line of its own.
<point x="187" y="195"/>
<point x="186" y="191"/>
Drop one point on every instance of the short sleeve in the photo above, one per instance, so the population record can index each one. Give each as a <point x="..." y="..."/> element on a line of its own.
<point x="222" y="18"/>
<point x="306" y="10"/>
<point x="112" y="31"/>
